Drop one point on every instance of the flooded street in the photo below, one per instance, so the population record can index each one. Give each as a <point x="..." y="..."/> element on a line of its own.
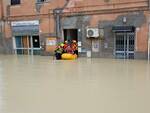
<point x="40" y="84"/>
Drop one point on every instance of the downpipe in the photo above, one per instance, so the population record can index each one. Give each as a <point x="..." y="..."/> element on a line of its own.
<point x="148" y="42"/>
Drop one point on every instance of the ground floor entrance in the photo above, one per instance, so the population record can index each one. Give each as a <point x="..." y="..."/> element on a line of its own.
<point x="70" y="34"/>
<point x="124" y="45"/>
<point x="27" y="45"/>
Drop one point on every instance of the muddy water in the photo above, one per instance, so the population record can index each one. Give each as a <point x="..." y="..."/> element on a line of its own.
<point x="42" y="85"/>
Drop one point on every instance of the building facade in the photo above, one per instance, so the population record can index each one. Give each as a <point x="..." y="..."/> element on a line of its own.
<point x="106" y="28"/>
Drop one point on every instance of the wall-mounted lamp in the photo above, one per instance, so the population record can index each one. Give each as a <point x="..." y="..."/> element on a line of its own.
<point x="40" y="31"/>
<point x="79" y="30"/>
<point x="8" y="22"/>
<point x="124" y="20"/>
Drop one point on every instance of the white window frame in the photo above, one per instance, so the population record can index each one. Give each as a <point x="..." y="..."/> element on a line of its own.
<point x="29" y="48"/>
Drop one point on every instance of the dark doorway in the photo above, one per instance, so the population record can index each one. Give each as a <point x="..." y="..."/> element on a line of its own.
<point x="36" y="42"/>
<point x="71" y="34"/>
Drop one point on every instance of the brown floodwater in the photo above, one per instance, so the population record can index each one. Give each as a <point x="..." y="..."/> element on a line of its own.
<point x="39" y="84"/>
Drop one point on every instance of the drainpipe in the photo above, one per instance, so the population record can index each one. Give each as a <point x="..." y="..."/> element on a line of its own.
<point x="3" y="24"/>
<point x="148" y="33"/>
<point x="148" y="41"/>
<point x="57" y="14"/>
<point x="149" y="4"/>
<point x="1" y="19"/>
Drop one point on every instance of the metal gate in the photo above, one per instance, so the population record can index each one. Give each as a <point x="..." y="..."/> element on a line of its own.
<point x="124" y="45"/>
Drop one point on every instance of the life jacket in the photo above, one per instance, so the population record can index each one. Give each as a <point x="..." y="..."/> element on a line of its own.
<point x="74" y="46"/>
<point x="69" y="50"/>
<point x="59" y="50"/>
<point x="65" y="46"/>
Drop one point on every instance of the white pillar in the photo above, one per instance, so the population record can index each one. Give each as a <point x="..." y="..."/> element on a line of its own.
<point x="28" y="45"/>
<point x="31" y="44"/>
<point x="14" y="45"/>
<point x="136" y="38"/>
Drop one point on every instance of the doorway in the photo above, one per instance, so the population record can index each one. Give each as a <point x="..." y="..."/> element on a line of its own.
<point x="70" y="34"/>
<point x="36" y="42"/>
<point x="124" y="45"/>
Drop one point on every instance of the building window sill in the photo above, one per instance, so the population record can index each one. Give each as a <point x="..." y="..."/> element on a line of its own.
<point x="17" y="5"/>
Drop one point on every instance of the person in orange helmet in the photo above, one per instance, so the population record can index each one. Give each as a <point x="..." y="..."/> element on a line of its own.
<point x="74" y="46"/>
<point x="65" y="46"/>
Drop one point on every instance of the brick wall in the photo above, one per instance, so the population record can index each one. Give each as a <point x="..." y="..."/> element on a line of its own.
<point x="30" y="10"/>
<point x="0" y="9"/>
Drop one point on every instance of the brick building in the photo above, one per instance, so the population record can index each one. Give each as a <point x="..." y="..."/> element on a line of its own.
<point x="107" y="28"/>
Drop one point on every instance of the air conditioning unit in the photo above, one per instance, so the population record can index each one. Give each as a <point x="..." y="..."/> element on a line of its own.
<point x="92" y="32"/>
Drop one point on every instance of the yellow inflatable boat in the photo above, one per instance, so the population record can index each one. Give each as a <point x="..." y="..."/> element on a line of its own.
<point x="68" y="56"/>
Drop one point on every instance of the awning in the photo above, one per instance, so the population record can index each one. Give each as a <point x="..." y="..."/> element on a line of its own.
<point x="25" y="30"/>
<point x="123" y="28"/>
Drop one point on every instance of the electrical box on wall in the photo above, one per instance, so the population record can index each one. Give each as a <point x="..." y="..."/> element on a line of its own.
<point x="101" y="32"/>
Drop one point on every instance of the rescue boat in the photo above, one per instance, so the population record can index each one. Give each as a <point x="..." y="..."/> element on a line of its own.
<point x="68" y="56"/>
